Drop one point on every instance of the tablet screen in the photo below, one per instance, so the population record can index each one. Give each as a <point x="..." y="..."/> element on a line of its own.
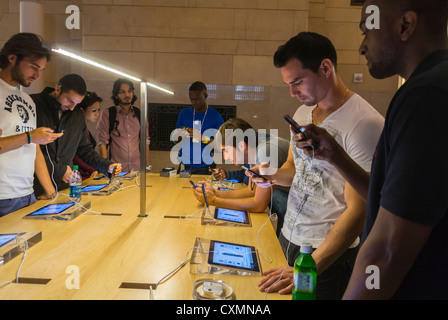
<point x="5" y="238"/>
<point x="231" y="180"/>
<point x="233" y="256"/>
<point x="95" y="187"/>
<point x="232" y="215"/>
<point x="52" y="209"/>
<point x="224" y="189"/>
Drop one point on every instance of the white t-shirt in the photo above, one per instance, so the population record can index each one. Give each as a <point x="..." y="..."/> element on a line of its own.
<point x="316" y="197"/>
<point x="17" y="115"/>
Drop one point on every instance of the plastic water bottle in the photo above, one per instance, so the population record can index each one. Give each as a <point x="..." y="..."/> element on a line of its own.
<point x="305" y="275"/>
<point x="75" y="185"/>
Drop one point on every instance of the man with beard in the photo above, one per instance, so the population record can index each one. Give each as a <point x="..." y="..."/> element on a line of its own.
<point x="404" y="252"/>
<point x="56" y="110"/>
<point x="119" y="128"/>
<point x="21" y="61"/>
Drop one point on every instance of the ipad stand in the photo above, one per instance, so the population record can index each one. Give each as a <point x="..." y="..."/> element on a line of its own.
<point x="199" y="263"/>
<point x="14" y="247"/>
<point x="208" y="218"/>
<point x="67" y="215"/>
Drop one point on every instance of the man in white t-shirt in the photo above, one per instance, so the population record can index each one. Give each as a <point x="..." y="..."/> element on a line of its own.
<point x="323" y="209"/>
<point x="21" y="60"/>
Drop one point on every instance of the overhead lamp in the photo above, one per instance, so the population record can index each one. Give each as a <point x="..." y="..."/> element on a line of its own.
<point x="107" y="68"/>
<point x="144" y="106"/>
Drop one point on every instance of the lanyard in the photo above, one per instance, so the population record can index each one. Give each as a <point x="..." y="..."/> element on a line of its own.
<point x="203" y="119"/>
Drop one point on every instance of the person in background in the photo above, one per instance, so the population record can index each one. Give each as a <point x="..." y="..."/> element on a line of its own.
<point x="119" y="128"/>
<point x="22" y="59"/>
<point x="91" y="106"/>
<point x="195" y="120"/>
<point x="56" y="110"/>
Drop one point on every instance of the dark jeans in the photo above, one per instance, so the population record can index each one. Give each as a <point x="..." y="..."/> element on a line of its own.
<point x="331" y="283"/>
<point x="279" y="204"/>
<point x="10" y="205"/>
<point x="201" y="170"/>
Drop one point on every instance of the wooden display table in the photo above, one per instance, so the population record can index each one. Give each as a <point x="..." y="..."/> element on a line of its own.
<point x="110" y="245"/>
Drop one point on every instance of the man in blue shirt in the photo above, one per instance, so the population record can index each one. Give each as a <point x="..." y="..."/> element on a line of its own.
<point x="200" y="123"/>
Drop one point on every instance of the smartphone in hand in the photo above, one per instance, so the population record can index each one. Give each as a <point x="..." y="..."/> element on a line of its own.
<point x="254" y="173"/>
<point x="194" y="184"/>
<point x="298" y="129"/>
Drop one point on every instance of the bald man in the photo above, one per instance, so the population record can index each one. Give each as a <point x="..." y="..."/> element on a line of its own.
<point x="404" y="252"/>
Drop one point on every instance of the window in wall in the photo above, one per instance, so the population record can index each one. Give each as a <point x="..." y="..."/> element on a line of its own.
<point x="357" y="2"/>
<point x="162" y="118"/>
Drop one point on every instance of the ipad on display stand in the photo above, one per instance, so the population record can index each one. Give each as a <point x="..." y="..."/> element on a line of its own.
<point x="59" y="211"/>
<point x="104" y="189"/>
<point x="231" y="216"/>
<point x="12" y="244"/>
<point x="233" y="256"/>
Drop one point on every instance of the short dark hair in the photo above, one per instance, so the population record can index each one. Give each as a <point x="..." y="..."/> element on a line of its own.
<point x="198" y="86"/>
<point x="73" y="82"/>
<point x="434" y="14"/>
<point x="309" y="48"/>
<point x="234" y="124"/>
<point x="89" y="99"/>
<point x="116" y="88"/>
<point x="23" y="45"/>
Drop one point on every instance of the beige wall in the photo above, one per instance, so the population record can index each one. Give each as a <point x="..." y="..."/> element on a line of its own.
<point x="227" y="43"/>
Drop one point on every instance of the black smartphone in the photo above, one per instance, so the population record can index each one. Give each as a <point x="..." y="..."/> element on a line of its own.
<point x="298" y="129"/>
<point x="194" y="184"/>
<point x="295" y="126"/>
<point x="112" y="175"/>
<point x="254" y="173"/>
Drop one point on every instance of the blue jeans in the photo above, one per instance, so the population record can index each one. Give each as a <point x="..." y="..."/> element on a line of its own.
<point x="331" y="283"/>
<point x="10" y="205"/>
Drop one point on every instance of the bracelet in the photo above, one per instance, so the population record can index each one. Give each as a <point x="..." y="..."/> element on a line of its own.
<point x="28" y="135"/>
<point x="50" y="196"/>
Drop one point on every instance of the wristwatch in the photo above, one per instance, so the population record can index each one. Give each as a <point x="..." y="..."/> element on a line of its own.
<point x="28" y="135"/>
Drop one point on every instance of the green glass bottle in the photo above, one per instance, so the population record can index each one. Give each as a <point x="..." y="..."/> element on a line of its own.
<point x="305" y="275"/>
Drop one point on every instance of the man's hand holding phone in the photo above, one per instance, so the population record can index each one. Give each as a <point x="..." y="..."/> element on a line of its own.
<point x="257" y="173"/>
<point x="115" y="168"/>
<point x="328" y="148"/>
<point x="43" y="135"/>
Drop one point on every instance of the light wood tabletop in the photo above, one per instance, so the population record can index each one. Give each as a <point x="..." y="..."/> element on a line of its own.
<point x="110" y="246"/>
